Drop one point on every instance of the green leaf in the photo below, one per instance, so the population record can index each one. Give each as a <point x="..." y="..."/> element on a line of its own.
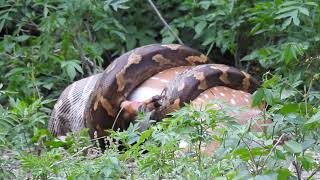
<point x="2" y="24"/>
<point x="266" y="177"/>
<point x="71" y="67"/>
<point x="221" y="178"/>
<point x="21" y="38"/>
<point x="120" y="34"/>
<point x="130" y="42"/>
<point x="283" y="174"/>
<point x="61" y="21"/>
<point x="145" y="135"/>
<point x="286" y="23"/>
<point x="45" y="11"/>
<point x="280" y="154"/>
<point x="168" y="39"/>
<point x="286" y="93"/>
<point x="271" y="82"/>
<point x="314" y="118"/>
<point x="208" y="40"/>
<point x="289" y="3"/>
<point x="116" y="4"/>
<point x="288" y="55"/>
<point x="291" y="52"/>
<point x="256" y="28"/>
<point x="293" y="146"/>
<point x="200" y="26"/>
<point x="253" y="56"/>
<point x="268" y="96"/>
<point x="258" y="97"/>
<point x="307" y="143"/>
<point x="287" y="9"/>
<point x="290" y="108"/>
<point x="291" y="14"/>
<point x="307" y="162"/>
<point x="48" y="86"/>
<point x="244" y="153"/>
<point x="304" y="11"/>
<point x="311" y="4"/>
<point x="205" y="4"/>
<point x="296" y="20"/>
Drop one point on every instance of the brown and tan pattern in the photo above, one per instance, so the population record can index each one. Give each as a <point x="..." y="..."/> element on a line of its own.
<point x="155" y="85"/>
<point x="197" y="80"/>
<point x="94" y="102"/>
<point x="67" y="114"/>
<point x="130" y="70"/>
<point x="97" y="99"/>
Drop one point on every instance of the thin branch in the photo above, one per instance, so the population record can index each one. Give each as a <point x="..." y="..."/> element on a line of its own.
<point x="262" y="145"/>
<point x="74" y="155"/>
<point x="210" y="49"/>
<point x="297" y="167"/>
<point x="278" y="142"/>
<point x="94" y="139"/>
<point x="250" y="154"/>
<point x="306" y="96"/>
<point x="87" y="26"/>
<point x="237" y="53"/>
<point x="34" y="82"/>
<point x="86" y="62"/>
<point x="117" y="117"/>
<point x="248" y="66"/>
<point x="314" y="172"/>
<point x="165" y="23"/>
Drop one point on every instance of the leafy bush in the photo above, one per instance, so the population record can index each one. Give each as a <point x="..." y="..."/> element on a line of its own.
<point x="156" y="153"/>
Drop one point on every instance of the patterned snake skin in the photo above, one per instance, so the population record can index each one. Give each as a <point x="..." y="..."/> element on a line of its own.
<point x="124" y="74"/>
<point x="189" y="84"/>
<point x="94" y="102"/>
<point x="67" y="114"/>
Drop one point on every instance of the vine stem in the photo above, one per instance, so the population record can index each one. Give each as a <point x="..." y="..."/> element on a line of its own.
<point x="74" y="155"/>
<point x="255" y="164"/>
<point x="297" y="167"/>
<point x="314" y="172"/>
<point x="117" y="117"/>
<point x="164" y="22"/>
<point x="270" y="153"/>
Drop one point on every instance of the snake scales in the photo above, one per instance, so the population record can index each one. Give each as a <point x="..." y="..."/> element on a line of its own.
<point x="94" y="102"/>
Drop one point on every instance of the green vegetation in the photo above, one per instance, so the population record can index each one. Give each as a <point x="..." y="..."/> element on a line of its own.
<point x="47" y="44"/>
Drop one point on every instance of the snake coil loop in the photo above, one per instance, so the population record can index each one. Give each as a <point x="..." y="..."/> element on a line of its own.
<point x="94" y="102"/>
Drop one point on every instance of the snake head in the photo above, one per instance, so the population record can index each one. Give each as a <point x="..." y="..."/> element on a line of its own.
<point x="130" y="109"/>
<point x="150" y="104"/>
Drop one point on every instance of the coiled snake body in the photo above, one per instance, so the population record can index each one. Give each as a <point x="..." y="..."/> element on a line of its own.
<point x="94" y="102"/>
<point x="189" y="84"/>
<point x="67" y="114"/>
